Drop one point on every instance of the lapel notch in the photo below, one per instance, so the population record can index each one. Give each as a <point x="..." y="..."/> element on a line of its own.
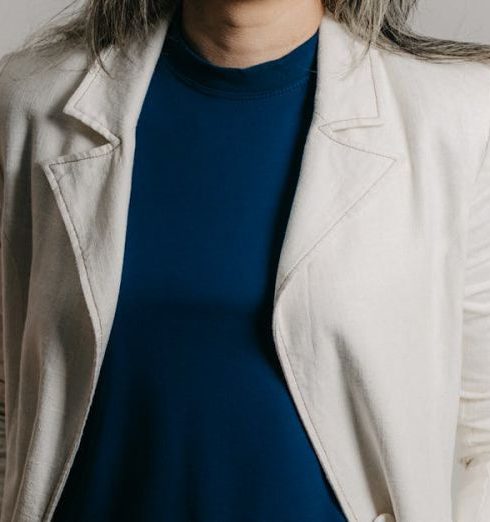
<point x="337" y="170"/>
<point x="92" y="187"/>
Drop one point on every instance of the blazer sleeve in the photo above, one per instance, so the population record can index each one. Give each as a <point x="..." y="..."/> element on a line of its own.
<point x="3" y="452"/>
<point x="473" y="491"/>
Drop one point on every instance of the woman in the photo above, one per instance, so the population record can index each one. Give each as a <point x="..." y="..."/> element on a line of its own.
<point x="245" y="266"/>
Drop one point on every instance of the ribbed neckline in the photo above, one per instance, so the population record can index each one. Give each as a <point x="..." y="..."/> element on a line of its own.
<point x="263" y="79"/>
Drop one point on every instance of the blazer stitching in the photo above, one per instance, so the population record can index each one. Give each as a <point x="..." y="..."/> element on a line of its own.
<point x="378" y="105"/>
<point x="113" y="148"/>
<point x="313" y="424"/>
<point x="334" y="224"/>
<point x="95" y="76"/>
<point x="74" y="160"/>
<point x="98" y="334"/>
<point x="87" y="118"/>
<point x="357" y="146"/>
<point x="58" y="189"/>
<point x="375" y="88"/>
<point x="346" y="212"/>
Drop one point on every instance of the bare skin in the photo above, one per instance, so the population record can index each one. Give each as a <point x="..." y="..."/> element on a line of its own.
<point x="242" y="33"/>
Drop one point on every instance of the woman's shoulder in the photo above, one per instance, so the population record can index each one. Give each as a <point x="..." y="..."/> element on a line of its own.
<point x="34" y="81"/>
<point x="445" y="105"/>
<point x="447" y="85"/>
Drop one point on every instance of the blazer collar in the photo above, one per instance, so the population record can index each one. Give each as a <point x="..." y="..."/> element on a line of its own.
<point x="344" y="98"/>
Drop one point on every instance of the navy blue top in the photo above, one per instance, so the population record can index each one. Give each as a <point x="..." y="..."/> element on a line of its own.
<point x="192" y="420"/>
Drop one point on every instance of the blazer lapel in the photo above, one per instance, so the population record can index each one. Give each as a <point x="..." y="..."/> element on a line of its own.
<point x="92" y="187"/>
<point x="337" y="171"/>
<point x="342" y="162"/>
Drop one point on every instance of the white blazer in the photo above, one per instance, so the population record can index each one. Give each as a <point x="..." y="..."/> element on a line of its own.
<point x="382" y="300"/>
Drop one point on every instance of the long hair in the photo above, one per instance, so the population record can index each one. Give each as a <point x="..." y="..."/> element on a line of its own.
<point x="384" y="23"/>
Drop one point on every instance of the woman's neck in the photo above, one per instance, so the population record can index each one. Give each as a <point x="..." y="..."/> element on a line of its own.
<point x="242" y="33"/>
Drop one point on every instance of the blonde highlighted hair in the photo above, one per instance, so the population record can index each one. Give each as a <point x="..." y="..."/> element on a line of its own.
<point x="384" y="23"/>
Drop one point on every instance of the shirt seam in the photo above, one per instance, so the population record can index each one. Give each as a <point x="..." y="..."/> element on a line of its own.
<point x="236" y="96"/>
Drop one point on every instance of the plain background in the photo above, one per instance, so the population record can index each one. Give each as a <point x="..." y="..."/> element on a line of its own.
<point x="454" y="19"/>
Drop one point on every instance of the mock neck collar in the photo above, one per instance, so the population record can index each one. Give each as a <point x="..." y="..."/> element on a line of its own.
<point x="265" y="78"/>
